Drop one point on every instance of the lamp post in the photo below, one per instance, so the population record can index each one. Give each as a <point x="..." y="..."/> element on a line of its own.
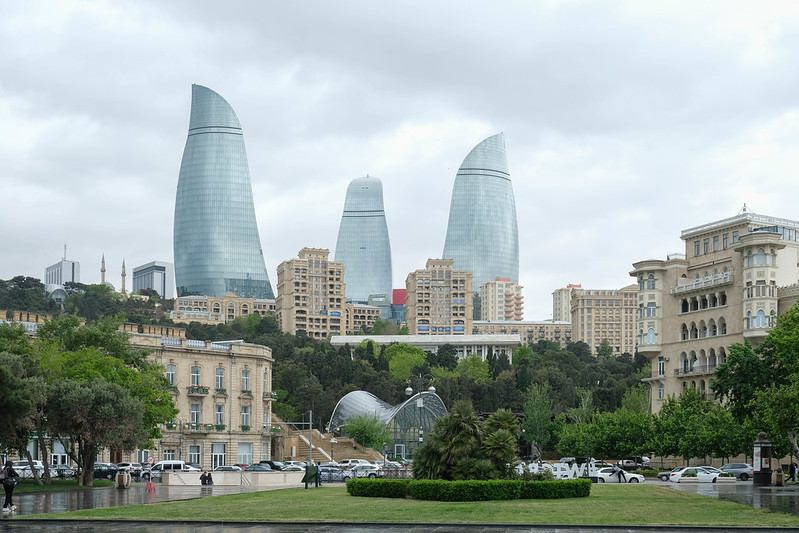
<point x="420" y="400"/>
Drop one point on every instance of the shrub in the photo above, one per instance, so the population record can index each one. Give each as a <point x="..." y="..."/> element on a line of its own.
<point x="439" y="490"/>
<point x="378" y="488"/>
<point x="544" y="475"/>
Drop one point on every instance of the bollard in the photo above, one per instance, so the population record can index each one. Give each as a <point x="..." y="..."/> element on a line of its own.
<point x="150" y="487"/>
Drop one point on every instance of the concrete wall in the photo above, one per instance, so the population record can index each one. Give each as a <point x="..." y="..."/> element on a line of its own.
<point x="264" y="480"/>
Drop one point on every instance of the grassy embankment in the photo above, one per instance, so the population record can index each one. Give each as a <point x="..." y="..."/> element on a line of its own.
<point x="607" y="505"/>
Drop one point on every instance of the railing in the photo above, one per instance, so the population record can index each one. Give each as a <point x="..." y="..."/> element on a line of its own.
<point x="195" y="390"/>
<point x="696" y="369"/>
<point x="704" y="282"/>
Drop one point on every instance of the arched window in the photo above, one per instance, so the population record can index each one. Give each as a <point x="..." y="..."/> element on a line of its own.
<point x="748" y="320"/>
<point x="650" y="336"/>
<point x="684" y="333"/>
<point x="761" y="257"/>
<point x="722" y="326"/>
<point x="760" y="321"/>
<point x="650" y="282"/>
<point x="749" y="259"/>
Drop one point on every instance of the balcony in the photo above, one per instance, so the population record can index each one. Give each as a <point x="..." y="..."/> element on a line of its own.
<point x="197" y="391"/>
<point x="698" y="284"/>
<point x="696" y="370"/>
<point x="270" y="396"/>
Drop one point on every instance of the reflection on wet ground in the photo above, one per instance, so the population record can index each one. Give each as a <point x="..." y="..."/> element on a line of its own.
<point x="781" y="499"/>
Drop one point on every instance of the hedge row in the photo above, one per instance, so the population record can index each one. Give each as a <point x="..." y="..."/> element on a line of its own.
<point x="469" y="491"/>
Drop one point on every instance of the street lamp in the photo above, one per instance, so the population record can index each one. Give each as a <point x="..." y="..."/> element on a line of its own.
<point x="420" y="400"/>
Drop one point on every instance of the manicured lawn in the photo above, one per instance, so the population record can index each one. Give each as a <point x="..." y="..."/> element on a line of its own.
<point x="607" y="505"/>
<point x="29" y="485"/>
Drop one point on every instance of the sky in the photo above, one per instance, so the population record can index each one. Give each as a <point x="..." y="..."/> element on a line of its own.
<point x="625" y="122"/>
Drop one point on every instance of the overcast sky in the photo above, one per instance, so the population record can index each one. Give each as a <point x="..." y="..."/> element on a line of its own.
<point x="625" y="123"/>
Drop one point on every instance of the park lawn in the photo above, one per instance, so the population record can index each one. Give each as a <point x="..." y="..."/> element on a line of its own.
<point x="607" y="505"/>
<point x="29" y="485"/>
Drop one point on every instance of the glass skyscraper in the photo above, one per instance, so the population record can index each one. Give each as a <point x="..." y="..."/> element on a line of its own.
<point x="363" y="245"/>
<point x="482" y="233"/>
<point x="216" y="243"/>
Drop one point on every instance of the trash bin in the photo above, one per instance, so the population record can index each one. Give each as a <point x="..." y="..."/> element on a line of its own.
<point x="778" y="477"/>
<point x="123" y="479"/>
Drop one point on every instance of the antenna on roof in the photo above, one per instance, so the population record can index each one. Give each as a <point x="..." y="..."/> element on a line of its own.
<point x="743" y="209"/>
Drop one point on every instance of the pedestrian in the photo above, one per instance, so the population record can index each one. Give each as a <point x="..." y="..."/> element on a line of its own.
<point x="10" y="478"/>
<point x="617" y="471"/>
<point x="203" y="478"/>
<point x="209" y="480"/>
<point x="792" y="472"/>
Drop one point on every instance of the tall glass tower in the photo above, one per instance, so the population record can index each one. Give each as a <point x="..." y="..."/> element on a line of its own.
<point x="482" y="234"/>
<point x="363" y="244"/>
<point x="216" y="242"/>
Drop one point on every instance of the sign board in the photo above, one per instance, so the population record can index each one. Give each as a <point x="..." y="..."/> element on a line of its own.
<point x="150" y="460"/>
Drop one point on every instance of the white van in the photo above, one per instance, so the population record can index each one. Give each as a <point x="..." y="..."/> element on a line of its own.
<point x="167" y="467"/>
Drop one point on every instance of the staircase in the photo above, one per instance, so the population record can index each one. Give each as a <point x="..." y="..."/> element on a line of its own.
<point x="324" y="450"/>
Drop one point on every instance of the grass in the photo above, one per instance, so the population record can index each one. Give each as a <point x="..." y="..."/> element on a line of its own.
<point x="607" y="505"/>
<point x="29" y="485"/>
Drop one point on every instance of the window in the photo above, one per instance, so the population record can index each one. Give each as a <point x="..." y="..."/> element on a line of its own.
<point x="661" y="392"/>
<point x="169" y="455"/>
<point x="194" y="454"/>
<point x="245" y="415"/>
<point x="195" y="413"/>
<point x="760" y="320"/>
<point x="220" y="378"/>
<point x="706" y="243"/>
<point x="650" y="282"/>
<point x="650" y="336"/>
<point x="715" y="243"/>
<point x="761" y="257"/>
<point x="170" y="374"/>
<point x="217" y="454"/>
<point x="696" y="247"/>
<point x="219" y="414"/>
<point x="245" y="380"/>
<point x="195" y="376"/>
<point x="661" y="366"/>
<point x="725" y="240"/>
<point x="734" y="237"/>
<point x="245" y="453"/>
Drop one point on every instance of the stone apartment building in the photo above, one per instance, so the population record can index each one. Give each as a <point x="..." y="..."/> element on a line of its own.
<point x="501" y="299"/>
<point x="439" y="299"/>
<point x="734" y="279"/>
<point x="312" y="297"/>
<point x="530" y="331"/>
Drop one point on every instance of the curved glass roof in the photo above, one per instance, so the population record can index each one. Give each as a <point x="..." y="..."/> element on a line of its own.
<point x="406" y="422"/>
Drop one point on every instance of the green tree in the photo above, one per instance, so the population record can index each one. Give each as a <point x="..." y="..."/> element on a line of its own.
<point x="536" y="421"/>
<point x="402" y="358"/>
<point x="456" y="438"/>
<point x="368" y="430"/>
<point x="473" y="367"/>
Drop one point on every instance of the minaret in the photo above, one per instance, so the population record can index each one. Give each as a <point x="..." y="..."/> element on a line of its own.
<point x="123" y="276"/>
<point x="102" y="271"/>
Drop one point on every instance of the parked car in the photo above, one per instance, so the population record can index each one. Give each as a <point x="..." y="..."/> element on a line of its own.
<point x="664" y="476"/>
<point x="349" y="463"/>
<point x="273" y="465"/>
<point x="24" y="469"/>
<point x="329" y="474"/>
<point x="742" y="471"/>
<point x="105" y="470"/>
<point x="226" y="468"/>
<point x="606" y="475"/>
<point x="367" y="470"/>
<point x="635" y="462"/>
<point x="62" y="471"/>
<point x="710" y="469"/>
<point x="135" y="469"/>
<point x="294" y="468"/>
<point x="167" y="466"/>
<point x="301" y="464"/>
<point x="259" y="467"/>
<point x="693" y="472"/>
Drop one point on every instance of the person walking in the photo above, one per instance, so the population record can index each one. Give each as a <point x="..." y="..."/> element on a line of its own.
<point x="10" y="479"/>
<point x="209" y="480"/>
<point x="792" y="472"/>
<point x="204" y="478"/>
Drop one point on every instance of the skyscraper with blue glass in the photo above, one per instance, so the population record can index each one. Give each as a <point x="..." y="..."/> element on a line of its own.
<point x="216" y="243"/>
<point x="363" y="245"/>
<point x="482" y="233"/>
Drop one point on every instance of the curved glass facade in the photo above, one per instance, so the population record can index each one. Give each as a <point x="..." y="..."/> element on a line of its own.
<point x="216" y="243"/>
<point x="404" y="421"/>
<point x="482" y="233"/>
<point x="363" y="245"/>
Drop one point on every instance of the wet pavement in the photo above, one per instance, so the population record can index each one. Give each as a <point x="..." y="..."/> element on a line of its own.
<point x="781" y="499"/>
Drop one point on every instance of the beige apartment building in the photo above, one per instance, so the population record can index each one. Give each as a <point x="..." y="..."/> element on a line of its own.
<point x="501" y="299"/>
<point x="312" y="297"/>
<point x="735" y="277"/>
<point x="439" y="300"/>
<point x="530" y="331"/>
<point x="215" y="310"/>
<point x="599" y="314"/>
